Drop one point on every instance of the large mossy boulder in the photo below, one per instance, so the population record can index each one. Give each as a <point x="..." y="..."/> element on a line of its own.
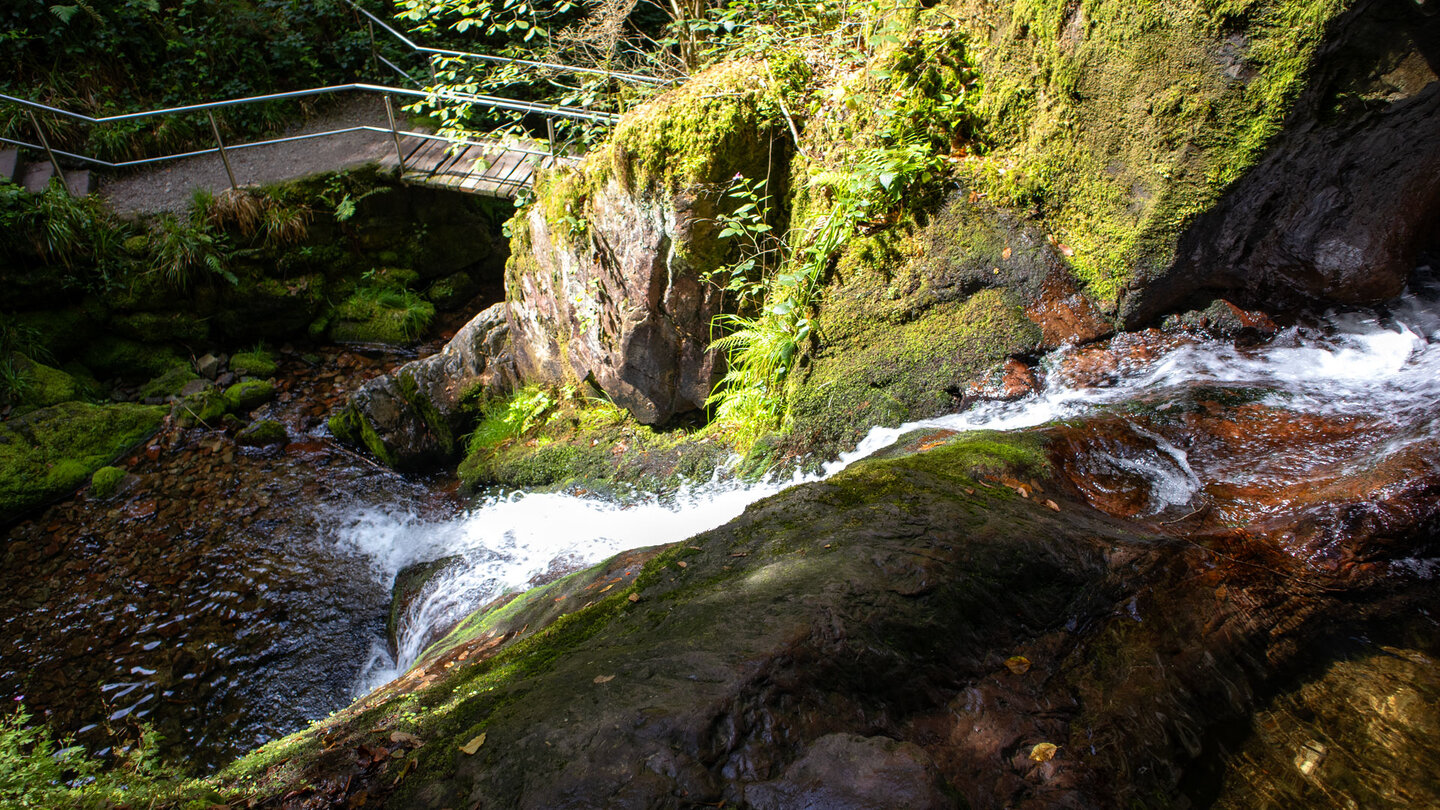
<point x="1285" y="150"/>
<point x="416" y="413"/>
<point x="607" y="279"/>
<point x="51" y="451"/>
<point x="947" y="625"/>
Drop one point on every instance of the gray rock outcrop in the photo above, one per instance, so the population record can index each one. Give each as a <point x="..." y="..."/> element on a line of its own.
<point x="624" y="308"/>
<point x="415" y="414"/>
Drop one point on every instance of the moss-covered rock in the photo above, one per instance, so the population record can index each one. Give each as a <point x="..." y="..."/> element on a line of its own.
<point x="161" y="327"/>
<point x="262" y="433"/>
<point x="382" y="315"/>
<point x="270" y="308"/>
<point x="64" y="332"/>
<point x="119" y="357"/>
<point x="883" y="371"/>
<point x="248" y="395"/>
<point x="452" y="290"/>
<point x="258" y="363"/>
<point x="53" y="450"/>
<point x="536" y="439"/>
<point x="206" y="407"/>
<point x="42" y="385"/>
<point x="168" y="384"/>
<point x="803" y="590"/>
<point x="106" y="481"/>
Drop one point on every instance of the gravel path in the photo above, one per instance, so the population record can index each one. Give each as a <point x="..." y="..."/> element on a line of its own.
<point x="169" y="186"/>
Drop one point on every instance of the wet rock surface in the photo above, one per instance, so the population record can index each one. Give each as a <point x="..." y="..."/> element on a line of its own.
<point x="1348" y="195"/>
<point x="415" y="414"/>
<point x="1180" y="596"/>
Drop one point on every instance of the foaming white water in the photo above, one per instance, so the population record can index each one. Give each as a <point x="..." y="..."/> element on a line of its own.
<point x="506" y="542"/>
<point x="1388" y="365"/>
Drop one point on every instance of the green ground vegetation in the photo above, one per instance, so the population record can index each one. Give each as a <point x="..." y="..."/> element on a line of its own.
<point x="51" y="451"/>
<point x="538" y="437"/>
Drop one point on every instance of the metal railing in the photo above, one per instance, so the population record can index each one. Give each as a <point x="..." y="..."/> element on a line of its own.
<point x="550" y="112"/>
<point x="373" y="21"/>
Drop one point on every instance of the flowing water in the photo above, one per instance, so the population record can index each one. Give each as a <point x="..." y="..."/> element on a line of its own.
<point x="231" y="596"/>
<point x="1374" y="378"/>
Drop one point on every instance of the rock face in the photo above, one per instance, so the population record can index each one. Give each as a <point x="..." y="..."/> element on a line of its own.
<point x="414" y="415"/>
<point x="1347" y="197"/>
<point x="623" y="306"/>
<point x="607" y="275"/>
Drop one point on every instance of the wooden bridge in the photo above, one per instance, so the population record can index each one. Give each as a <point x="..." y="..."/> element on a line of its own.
<point x="485" y="165"/>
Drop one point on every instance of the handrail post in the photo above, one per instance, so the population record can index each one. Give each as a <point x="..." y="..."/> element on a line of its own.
<point x="45" y="142"/>
<point x="550" y="133"/>
<point x="394" y="133"/>
<point x="215" y="128"/>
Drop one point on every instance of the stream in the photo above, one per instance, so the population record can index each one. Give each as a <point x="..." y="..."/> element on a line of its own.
<point x="230" y="596"/>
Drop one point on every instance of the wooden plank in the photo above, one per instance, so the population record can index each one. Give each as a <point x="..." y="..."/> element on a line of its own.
<point x="448" y="162"/>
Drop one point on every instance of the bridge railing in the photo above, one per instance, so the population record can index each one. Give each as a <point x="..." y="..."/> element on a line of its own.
<point x="432" y="54"/>
<point x="549" y="112"/>
<point x="35" y="109"/>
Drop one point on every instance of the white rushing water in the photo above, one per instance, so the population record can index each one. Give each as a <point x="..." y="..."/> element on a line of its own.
<point x="1347" y="364"/>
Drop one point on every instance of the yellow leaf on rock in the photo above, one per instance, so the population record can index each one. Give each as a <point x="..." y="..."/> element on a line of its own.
<point x="682" y="564"/>
<point x="604" y="678"/>
<point x="474" y="745"/>
<point x="1018" y="664"/>
<point x="634" y="597"/>
<point x="1052" y="504"/>
<point x="405" y="738"/>
<point x="1044" y="752"/>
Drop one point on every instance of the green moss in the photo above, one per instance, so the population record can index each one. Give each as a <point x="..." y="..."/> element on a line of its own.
<point x="352" y="428"/>
<point x="258" y="363"/>
<point x="696" y="133"/>
<point x="168" y="384"/>
<point x="451" y="291"/>
<point x="248" y="395"/>
<point x="63" y="331"/>
<point x="887" y="373"/>
<point x="538" y="438"/>
<point x="51" y="451"/>
<point x="118" y="357"/>
<point x="205" y="407"/>
<point x="382" y="315"/>
<point x="105" y="481"/>
<point x="42" y="386"/>
<point x="161" y="327"/>
<point x="1120" y="122"/>
<point x="262" y="433"/>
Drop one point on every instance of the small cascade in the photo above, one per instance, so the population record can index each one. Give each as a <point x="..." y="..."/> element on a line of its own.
<point x="1376" y="374"/>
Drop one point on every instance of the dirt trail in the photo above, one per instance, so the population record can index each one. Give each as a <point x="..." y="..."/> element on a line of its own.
<point x="169" y="186"/>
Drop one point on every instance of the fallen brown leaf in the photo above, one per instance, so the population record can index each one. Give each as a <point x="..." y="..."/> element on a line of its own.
<point x="604" y="678"/>
<point x="474" y="745"/>
<point x="1043" y="752"/>
<point x="1018" y="664"/>
<point x="634" y="597"/>
<point x="1052" y="504"/>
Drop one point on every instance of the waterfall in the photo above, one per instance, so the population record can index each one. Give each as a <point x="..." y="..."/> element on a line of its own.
<point x="1347" y="363"/>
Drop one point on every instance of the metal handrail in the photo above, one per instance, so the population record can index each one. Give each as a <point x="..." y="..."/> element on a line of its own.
<point x="549" y="111"/>
<point x="222" y="148"/>
<point x="495" y="102"/>
<point x="505" y="60"/>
